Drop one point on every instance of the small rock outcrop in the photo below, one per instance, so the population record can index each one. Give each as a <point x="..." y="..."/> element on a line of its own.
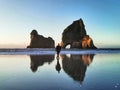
<point x="85" y="43"/>
<point x="75" y="35"/>
<point x="39" y="41"/>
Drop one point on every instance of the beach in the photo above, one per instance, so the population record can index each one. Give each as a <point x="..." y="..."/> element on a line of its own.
<point x="44" y="51"/>
<point x="40" y="69"/>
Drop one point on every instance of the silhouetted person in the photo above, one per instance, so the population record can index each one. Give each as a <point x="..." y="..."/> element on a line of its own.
<point x="58" y="49"/>
<point x="58" y="67"/>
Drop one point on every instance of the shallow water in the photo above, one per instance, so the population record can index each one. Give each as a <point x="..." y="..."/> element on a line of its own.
<point x="68" y="72"/>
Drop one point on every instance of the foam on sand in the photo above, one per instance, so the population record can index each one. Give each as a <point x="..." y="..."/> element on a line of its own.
<point x="42" y="51"/>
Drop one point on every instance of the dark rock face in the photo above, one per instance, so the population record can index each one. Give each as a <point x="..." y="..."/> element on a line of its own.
<point x="75" y="35"/>
<point x="38" y="41"/>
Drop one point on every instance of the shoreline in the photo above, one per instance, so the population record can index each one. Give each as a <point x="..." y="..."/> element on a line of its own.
<point x="51" y="51"/>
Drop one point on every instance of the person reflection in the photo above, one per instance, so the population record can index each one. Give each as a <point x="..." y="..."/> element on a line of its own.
<point x="76" y="65"/>
<point x="58" y="67"/>
<point x="39" y="60"/>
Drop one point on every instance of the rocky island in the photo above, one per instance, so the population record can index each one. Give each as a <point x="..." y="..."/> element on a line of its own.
<point x="75" y="35"/>
<point x="39" y="41"/>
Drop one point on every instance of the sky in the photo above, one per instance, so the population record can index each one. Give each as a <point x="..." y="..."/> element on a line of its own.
<point x="50" y="17"/>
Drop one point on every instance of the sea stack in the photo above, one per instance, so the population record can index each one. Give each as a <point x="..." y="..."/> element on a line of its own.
<point x="76" y="36"/>
<point x="39" y="41"/>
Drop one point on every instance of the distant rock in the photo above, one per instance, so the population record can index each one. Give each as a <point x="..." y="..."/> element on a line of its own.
<point x="39" y="41"/>
<point x="75" y="35"/>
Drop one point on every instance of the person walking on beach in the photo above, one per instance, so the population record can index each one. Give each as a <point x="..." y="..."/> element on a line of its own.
<point x="58" y="49"/>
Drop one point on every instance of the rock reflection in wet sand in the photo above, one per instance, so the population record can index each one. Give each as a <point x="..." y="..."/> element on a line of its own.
<point x="39" y="60"/>
<point x="76" y="65"/>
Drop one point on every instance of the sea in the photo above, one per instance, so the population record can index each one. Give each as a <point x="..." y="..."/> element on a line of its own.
<point x="73" y="69"/>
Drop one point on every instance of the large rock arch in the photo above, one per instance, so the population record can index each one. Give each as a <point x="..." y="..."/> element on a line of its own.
<point x="75" y="34"/>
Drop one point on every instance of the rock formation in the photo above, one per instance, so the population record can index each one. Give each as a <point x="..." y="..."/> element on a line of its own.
<point x="75" y="35"/>
<point x="38" y="41"/>
<point x="85" y="43"/>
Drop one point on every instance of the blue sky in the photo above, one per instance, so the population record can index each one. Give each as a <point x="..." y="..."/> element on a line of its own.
<point x="50" y="17"/>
